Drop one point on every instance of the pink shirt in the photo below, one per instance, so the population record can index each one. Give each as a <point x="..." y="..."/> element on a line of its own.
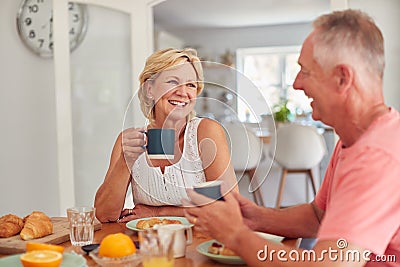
<point x="361" y="191"/>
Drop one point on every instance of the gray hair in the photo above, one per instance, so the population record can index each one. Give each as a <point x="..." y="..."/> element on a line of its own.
<point x="349" y="36"/>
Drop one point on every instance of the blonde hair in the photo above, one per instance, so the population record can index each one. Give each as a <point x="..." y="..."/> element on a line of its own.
<point x="163" y="60"/>
<point x="349" y="36"/>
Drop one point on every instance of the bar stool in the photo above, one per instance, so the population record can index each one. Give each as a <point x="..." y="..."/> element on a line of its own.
<point x="299" y="148"/>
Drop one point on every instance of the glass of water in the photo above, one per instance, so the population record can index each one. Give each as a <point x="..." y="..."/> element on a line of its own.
<point x="81" y="224"/>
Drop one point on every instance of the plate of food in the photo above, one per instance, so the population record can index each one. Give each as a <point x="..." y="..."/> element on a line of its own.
<point x="146" y="223"/>
<point x="69" y="260"/>
<point x="218" y="252"/>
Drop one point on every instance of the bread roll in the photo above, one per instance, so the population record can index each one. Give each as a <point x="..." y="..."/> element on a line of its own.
<point x="10" y="225"/>
<point x="149" y="223"/>
<point x="167" y="221"/>
<point x="37" y="225"/>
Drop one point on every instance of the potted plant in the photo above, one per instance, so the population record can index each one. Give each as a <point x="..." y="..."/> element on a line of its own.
<point x="282" y="113"/>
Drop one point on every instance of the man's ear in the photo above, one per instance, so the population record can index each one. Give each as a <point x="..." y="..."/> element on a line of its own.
<point x="344" y="76"/>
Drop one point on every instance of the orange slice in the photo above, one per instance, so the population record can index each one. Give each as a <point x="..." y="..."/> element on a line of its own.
<point x="31" y="246"/>
<point x="41" y="258"/>
<point x="116" y="245"/>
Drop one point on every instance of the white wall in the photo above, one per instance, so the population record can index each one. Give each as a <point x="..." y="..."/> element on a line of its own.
<point x="163" y="39"/>
<point x="28" y="166"/>
<point x="212" y="43"/>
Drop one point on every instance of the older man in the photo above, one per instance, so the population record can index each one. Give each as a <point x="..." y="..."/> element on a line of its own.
<point x="355" y="215"/>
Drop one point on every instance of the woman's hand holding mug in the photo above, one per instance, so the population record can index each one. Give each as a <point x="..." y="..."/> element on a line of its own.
<point x="133" y="145"/>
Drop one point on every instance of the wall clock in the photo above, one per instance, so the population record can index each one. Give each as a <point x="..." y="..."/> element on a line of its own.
<point x="35" y="25"/>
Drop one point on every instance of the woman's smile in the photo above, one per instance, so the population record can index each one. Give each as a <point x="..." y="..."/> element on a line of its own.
<point x="178" y="103"/>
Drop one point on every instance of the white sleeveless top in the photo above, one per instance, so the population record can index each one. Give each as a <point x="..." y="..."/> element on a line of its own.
<point x="151" y="187"/>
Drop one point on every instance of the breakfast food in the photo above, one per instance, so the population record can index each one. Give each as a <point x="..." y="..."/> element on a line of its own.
<point x="41" y="258"/>
<point x="31" y="246"/>
<point x="10" y="225"/>
<point x="116" y="246"/>
<point x="149" y="223"/>
<point x="37" y="224"/>
<point x="219" y="249"/>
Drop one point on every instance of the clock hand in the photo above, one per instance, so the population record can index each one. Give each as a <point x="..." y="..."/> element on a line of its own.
<point x="51" y="27"/>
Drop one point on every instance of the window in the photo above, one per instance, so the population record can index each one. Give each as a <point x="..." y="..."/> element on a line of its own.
<point x="272" y="70"/>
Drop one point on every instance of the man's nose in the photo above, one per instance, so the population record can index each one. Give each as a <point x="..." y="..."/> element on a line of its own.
<point x="297" y="82"/>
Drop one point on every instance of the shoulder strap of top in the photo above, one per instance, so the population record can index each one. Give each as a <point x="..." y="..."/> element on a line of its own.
<point x="192" y="151"/>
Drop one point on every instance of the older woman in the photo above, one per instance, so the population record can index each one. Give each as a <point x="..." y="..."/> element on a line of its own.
<point x="169" y="84"/>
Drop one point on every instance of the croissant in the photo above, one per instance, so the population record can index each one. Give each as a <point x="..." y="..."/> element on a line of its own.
<point x="10" y="225"/>
<point x="167" y="221"/>
<point x="149" y="223"/>
<point x="37" y="224"/>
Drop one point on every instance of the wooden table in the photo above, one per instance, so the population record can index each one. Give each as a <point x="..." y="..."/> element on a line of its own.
<point x="192" y="258"/>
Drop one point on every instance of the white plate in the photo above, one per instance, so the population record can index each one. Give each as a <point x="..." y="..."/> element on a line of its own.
<point x="69" y="260"/>
<point x="203" y="249"/>
<point x="132" y="224"/>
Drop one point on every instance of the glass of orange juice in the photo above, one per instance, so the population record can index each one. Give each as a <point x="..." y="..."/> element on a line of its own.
<point x="156" y="248"/>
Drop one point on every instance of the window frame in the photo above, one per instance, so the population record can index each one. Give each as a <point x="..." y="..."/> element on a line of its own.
<point x="282" y="52"/>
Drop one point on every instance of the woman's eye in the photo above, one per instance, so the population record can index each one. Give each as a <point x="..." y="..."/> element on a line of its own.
<point x="193" y="85"/>
<point x="172" y="82"/>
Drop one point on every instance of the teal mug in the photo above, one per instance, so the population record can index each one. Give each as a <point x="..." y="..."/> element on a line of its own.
<point x="160" y="143"/>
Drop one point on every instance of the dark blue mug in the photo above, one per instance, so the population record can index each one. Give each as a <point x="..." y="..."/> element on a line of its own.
<point x="211" y="189"/>
<point x="160" y="143"/>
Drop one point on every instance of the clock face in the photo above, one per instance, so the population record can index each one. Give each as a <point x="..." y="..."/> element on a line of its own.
<point x="35" y="25"/>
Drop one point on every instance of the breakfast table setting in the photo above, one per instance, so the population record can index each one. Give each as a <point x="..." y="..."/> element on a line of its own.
<point x="196" y="252"/>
